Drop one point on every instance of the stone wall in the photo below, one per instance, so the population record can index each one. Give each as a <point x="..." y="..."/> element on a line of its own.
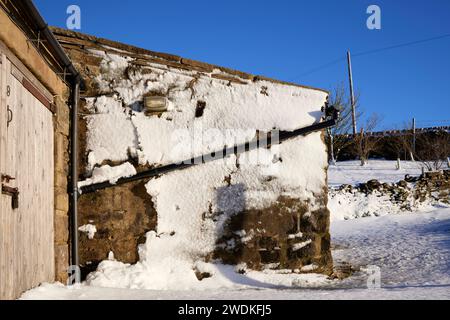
<point x="432" y="187"/>
<point x="61" y="127"/>
<point x="122" y="216"/>
<point x="290" y="233"/>
<point x="279" y="237"/>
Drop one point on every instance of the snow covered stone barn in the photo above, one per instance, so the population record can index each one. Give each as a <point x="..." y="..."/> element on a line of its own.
<point x="37" y="89"/>
<point x="142" y="111"/>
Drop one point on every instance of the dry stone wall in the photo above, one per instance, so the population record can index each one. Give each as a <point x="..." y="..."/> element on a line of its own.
<point x="408" y="195"/>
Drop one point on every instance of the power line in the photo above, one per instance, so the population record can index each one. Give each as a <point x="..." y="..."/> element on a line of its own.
<point x="407" y="44"/>
<point x="441" y="120"/>
<point x="433" y="121"/>
<point x="419" y="123"/>
<point x="324" y="66"/>
<point x="364" y="53"/>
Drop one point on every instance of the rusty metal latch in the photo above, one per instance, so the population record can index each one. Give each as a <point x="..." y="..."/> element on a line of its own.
<point x="14" y="193"/>
<point x="6" y="178"/>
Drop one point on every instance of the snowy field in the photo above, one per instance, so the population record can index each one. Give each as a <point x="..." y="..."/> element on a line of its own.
<point x="412" y="252"/>
<point x="346" y="206"/>
<point x="351" y="172"/>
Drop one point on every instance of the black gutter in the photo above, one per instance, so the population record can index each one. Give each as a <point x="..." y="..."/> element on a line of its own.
<point x="273" y="138"/>
<point x="75" y="81"/>
<point x="48" y="36"/>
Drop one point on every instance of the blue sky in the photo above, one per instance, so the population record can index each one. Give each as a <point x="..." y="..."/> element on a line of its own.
<point x="286" y="39"/>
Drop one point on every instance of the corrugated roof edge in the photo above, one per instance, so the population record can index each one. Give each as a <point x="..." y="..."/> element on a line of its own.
<point x="169" y="57"/>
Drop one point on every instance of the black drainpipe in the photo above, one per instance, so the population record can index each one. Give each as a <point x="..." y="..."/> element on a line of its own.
<point x="74" y="172"/>
<point x="72" y="76"/>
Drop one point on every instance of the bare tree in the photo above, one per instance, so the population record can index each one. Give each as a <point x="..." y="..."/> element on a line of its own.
<point x="364" y="142"/>
<point x="406" y="142"/>
<point x="401" y="142"/>
<point x="338" y="136"/>
<point x="433" y="149"/>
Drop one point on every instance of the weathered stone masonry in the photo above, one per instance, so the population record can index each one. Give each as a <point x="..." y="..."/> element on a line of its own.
<point x="62" y="127"/>
<point x="124" y="214"/>
<point x="431" y="187"/>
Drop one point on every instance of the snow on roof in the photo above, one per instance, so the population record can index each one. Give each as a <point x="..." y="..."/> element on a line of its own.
<point x="175" y="61"/>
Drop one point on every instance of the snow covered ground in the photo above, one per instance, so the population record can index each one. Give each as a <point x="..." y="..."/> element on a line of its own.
<point x="411" y="250"/>
<point x="351" y="205"/>
<point x="351" y="172"/>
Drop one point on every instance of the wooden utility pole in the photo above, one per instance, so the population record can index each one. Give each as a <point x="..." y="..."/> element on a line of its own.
<point x="352" y="94"/>
<point x="414" y="135"/>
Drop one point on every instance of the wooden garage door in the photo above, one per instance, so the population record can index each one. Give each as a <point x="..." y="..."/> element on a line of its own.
<point x="26" y="154"/>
